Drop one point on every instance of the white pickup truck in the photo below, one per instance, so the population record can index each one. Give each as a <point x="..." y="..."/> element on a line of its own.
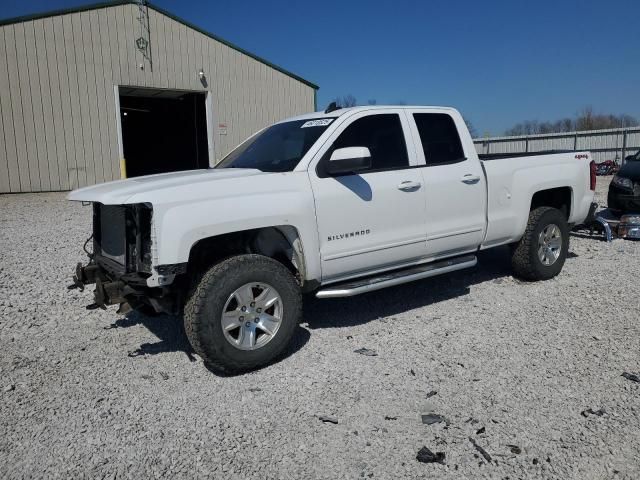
<point x="338" y="203"/>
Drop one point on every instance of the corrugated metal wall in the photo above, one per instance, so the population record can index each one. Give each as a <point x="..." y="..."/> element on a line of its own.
<point x="603" y="144"/>
<point x="58" y="119"/>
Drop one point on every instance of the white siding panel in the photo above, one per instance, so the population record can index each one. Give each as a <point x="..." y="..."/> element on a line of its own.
<point x="110" y="160"/>
<point x="98" y="114"/>
<point x="16" y="36"/>
<point x="84" y="93"/>
<point x="41" y="103"/>
<point x="9" y="177"/>
<point x="29" y="83"/>
<point x="55" y="170"/>
<point x="74" y="123"/>
<point x="65" y="51"/>
<point x="62" y="108"/>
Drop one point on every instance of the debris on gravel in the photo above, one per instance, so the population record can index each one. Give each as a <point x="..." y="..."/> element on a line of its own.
<point x="427" y="456"/>
<point x="328" y="419"/>
<point x="482" y="451"/>
<point x="431" y="418"/>
<point x="515" y="449"/>
<point x="367" y="352"/>
<point x="431" y="394"/>
<point x="631" y="376"/>
<point x="529" y="347"/>
<point x="480" y="431"/>
<point x="386" y="417"/>
<point x="600" y="412"/>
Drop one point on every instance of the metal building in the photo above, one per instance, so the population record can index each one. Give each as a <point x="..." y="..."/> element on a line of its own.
<point x="124" y="89"/>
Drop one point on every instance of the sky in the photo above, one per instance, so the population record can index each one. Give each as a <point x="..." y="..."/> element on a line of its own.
<point x="498" y="62"/>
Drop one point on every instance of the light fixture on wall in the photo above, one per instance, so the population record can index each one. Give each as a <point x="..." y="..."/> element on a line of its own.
<point x="203" y="78"/>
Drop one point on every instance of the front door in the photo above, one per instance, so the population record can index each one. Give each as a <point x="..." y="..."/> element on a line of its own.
<point x="374" y="219"/>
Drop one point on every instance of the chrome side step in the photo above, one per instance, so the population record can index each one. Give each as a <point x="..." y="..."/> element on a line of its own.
<point x="389" y="279"/>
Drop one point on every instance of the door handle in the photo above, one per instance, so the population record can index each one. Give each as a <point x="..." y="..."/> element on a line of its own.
<point x="470" y="179"/>
<point x="409" y="186"/>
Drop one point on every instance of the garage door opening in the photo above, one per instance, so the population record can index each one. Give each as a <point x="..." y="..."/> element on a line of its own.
<point x="163" y="130"/>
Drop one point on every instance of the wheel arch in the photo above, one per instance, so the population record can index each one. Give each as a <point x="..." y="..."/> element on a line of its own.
<point x="560" y="198"/>
<point x="282" y="243"/>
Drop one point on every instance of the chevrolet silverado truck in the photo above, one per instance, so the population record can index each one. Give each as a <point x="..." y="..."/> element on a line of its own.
<point x="335" y="203"/>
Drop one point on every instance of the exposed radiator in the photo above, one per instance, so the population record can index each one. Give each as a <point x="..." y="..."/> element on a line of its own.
<point x="113" y="239"/>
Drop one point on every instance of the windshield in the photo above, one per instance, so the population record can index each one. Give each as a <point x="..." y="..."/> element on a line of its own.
<point x="278" y="148"/>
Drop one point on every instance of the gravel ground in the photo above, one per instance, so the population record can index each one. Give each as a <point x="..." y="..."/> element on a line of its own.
<point x="513" y="364"/>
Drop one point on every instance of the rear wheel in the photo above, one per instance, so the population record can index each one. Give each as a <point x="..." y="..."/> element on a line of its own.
<point x="243" y="313"/>
<point x="541" y="252"/>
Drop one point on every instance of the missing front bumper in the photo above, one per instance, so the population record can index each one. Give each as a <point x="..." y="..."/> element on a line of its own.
<point x="128" y="291"/>
<point x="107" y="290"/>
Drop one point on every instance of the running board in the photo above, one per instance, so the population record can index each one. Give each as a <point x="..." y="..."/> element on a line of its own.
<point x="376" y="282"/>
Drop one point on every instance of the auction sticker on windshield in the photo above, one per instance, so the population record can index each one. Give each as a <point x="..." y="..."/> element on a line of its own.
<point x="317" y="123"/>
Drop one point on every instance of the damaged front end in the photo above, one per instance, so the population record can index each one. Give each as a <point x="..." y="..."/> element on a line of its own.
<point x="120" y="265"/>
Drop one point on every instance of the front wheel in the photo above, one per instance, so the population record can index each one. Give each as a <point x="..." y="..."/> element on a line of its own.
<point x="542" y="250"/>
<point x="243" y="313"/>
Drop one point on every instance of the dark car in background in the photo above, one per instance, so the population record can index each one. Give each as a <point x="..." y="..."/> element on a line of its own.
<point x="624" y="190"/>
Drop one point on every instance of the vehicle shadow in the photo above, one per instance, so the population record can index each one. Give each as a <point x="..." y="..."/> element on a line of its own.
<point x="168" y="329"/>
<point x="493" y="265"/>
<point x="172" y="337"/>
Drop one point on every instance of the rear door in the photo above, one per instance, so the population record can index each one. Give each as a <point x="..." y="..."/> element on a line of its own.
<point x="455" y="187"/>
<point x="373" y="220"/>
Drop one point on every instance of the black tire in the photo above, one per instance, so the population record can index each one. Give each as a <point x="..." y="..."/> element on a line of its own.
<point x="525" y="260"/>
<point x="203" y="311"/>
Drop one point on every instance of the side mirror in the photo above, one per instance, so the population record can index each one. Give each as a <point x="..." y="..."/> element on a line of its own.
<point x="349" y="160"/>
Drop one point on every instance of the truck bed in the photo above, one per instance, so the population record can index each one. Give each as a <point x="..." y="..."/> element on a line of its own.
<point x="511" y="186"/>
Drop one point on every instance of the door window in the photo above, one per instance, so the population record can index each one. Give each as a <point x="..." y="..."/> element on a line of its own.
<point x="440" y="140"/>
<point x="382" y="134"/>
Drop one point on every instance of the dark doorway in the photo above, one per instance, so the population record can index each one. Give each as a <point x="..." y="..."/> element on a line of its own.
<point x="163" y="130"/>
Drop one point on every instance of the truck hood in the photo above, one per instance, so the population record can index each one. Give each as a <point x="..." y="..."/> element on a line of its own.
<point x="123" y="191"/>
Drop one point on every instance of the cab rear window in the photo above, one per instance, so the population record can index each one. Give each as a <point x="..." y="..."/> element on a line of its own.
<point x="439" y="138"/>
